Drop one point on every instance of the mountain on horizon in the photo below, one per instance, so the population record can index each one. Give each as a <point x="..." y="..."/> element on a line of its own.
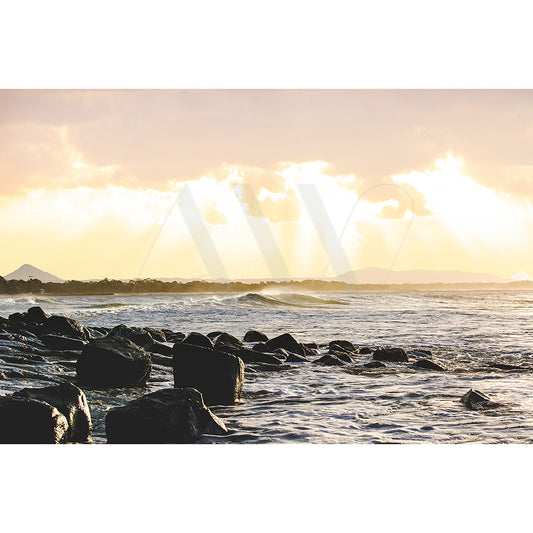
<point x="521" y="276"/>
<point x="27" y="272"/>
<point x="375" y="275"/>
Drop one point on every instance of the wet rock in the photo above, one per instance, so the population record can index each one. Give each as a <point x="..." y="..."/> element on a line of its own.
<point x="64" y="326"/>
<point x="217" y="375"/>
<point x="286" y="341"/>
<point x="165" y="416"/>
<point x="295" y="358"/>
<point x="174" y="337"/>
<point x="56" y="342"/>
<point x="504" y="366"/>
<point x="420" y="351"/>
<point x="260" y="347"/>
<point x="329" y="360"/>
<point x="225" y="339"/>
<point x="390" y="354"/>
<point x="214" y="334"/>
<point x="68" y="400"/>
<point x="254" y="336"/>
<point x="113" y="362"/>
<point x="25" y="421"/>
<point x="365" y="350"/>
<point x="343" y="356"/>
<point x="250" y="356"/>
<point x="476" y="400"/>
<point x="309" y="350"/>
<point x="35" y="315"/>
<point x="429" y="365"/>
<point x="156" y="334"/>
<point x="346" y="346"/>
<point x="138" y="336"/>
<point x="375" y="364"/>
<point x="159" y="347"/>
<point x="197" y="339"/>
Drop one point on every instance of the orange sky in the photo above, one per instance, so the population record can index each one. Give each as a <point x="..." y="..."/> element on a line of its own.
<point x="90" y="180"/>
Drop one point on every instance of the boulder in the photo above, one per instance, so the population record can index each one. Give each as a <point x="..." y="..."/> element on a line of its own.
<point x="390" y="354"/>
<point x="295" y="358"/>
<point x="113" y="362"/>
<point x="156" y="334"/>
<point x="64" y="326"/>
<point x="365" y="350"/>
<point x="56" y="342"/>
<point x="167" y="416"/>
<point x="214" y="334"/>
<point x="26" y="421"/>
<point x="159" y="347"/>
<point x="174" y="336"/>
<point x="197" y="339"/>
<point x="68" y="400"/>
<point x="346" y="346"/>
<point x="225" y="339"/>
<point x="476" y="400"/>
<point x="251" y="356"/>
<point x="260" y="347"/>
<point x="35" y="315"/>
<point x="429" y="365"/>
<point x="138" y="336"/>
<point x="375" y="364"/>
<point x="329" y="360"/>
<point x="286" y="341"/>
<point x="217" y="375"/>
<point x="343" y="356"/>
<point x="254" y="336"/>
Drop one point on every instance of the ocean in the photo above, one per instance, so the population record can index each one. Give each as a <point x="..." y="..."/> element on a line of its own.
<point x="465" y="331"/>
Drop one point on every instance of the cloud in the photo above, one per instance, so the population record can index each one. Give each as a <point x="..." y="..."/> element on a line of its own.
<point x="157" y="136"/>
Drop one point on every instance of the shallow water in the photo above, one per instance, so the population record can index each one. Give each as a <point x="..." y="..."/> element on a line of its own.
<point x="465" y="331"/>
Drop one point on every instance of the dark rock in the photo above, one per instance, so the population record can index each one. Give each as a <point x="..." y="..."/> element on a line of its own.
<point x="64" y="326"/>
<point x="286" y="341"/>
<point x="429" y="365"/>
<point x="214" y="334"/>
<point x="260" y="347"/>
<point x="295" y="358"/>
<point x="226" y="340"/>
<point x="250" y="356"/>
<point x="167" y="416"/>
<point x="217" y="375"/>
<point x="175" y="337"/>
<point x="476" y="400"/>
<point x="113" y="362"/>
<point x="329" y="360"/>
<point x="197" y="339"/>
<point x="138" y="336"/>
<point x="25" y="421"/>
<point x="254" y="336"/>
<point x="158" y="347"/>
<point x="35" y="315"/>
<point x="281" y="353"/>
<point x="390" y="354"/>
<point x="504" y="366"/>
<point x="343" y="356"/>
<point x="346" y="346"/>
<point x="419" y="351"/>
<point x="56" y="342"/>
<point x="365" y="350"/>
<point x="68" y="400"/>
<point x="156" y="334"/>
<point x="375" y="364"/>
<point x="310" y="345"/>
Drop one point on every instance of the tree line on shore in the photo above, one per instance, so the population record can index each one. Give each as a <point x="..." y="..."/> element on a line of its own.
<point x="114" y="286"/>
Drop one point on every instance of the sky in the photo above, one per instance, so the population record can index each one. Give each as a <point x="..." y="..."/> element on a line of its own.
<point x="265" y="183"/>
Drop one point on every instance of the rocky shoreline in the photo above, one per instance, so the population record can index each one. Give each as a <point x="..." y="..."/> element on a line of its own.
<point x="50" y="364"/>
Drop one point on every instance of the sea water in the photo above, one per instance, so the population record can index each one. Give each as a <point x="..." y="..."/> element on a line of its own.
<point x="465" y="331"/>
